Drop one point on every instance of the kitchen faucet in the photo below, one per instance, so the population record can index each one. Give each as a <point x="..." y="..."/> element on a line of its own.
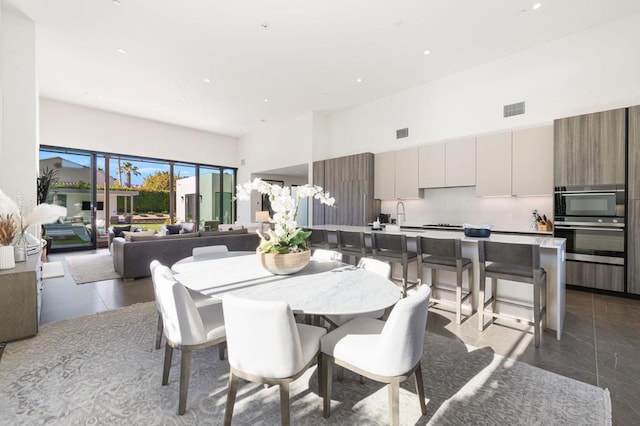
<point x="404" y="216"/>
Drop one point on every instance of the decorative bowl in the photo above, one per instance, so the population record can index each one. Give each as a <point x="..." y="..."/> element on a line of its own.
<point x="284" y="264"/>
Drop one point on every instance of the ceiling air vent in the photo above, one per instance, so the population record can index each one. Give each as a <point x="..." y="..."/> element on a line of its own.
<point x="402" y="133"/>
<point x="514" y="109"/>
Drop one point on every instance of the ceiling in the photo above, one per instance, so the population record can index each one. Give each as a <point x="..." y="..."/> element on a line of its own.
<point x="301" y="56"/>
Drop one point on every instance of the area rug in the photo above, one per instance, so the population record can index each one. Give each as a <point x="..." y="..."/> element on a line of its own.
<point x="101" y="369"/>
<point x="89" y="268"/>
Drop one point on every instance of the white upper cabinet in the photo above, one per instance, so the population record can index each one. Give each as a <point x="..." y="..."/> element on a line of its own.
<point x="447" y="164"/>
<point x="396" y="174"/>
<point x="460" y="162"/>
<point x="532" y="161"/>
<point x="407" y="170"/>
<point x="493" y="165"/>
<point x="384" y="176"/>
<point x="432" y="165"/>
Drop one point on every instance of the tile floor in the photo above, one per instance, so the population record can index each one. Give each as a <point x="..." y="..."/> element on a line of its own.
<point x="599" y="344"/>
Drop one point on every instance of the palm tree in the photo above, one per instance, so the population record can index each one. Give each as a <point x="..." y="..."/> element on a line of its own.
<point x="129" y="169"/>
<point x="119" y="172"/>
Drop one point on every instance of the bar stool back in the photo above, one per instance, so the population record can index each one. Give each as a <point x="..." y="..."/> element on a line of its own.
<point x="393" y="248"/>
<point x="319" y="238"/>
<point x="352" y="244"/>
<point x="441" y="254"/>
<point x="514" y="262"/>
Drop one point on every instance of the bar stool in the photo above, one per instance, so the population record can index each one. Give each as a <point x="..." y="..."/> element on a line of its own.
<point x="441" y="254"/>
<point x="319" y="238"/>
<point x="514" y="262"/>
<point x="352" y="244"/>
<point x="393" y="248"/>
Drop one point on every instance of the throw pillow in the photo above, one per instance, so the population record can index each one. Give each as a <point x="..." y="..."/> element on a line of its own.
<point x="130" y="236"/>
<point x="118" y="230"/>
<point x="188" y="227"/>
<point x="173" y="229"/>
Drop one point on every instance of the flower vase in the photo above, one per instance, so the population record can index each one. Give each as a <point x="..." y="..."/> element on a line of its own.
<point x="21" y="244"/>
<point x="7" y="257"/>
<point x="284" y="264"/>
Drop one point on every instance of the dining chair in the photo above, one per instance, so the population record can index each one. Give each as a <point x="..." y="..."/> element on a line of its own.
<point x="377" y="267"/>
<point x="445" y="254"/>
<point x="274" y="350"/>
<point x="513" y="262"/>
<point x="388" y="352"/>
<point x="198" y="298"/>
<point x="208" y="251"/>
<point x="186" y="327"/>
<point x="324" y="255"/>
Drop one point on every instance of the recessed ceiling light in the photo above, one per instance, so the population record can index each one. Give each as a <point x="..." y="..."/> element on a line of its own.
<point x="358" y="80"/>
<point x="427" y="52"/>
<point x="263" y="120"/>
<point x="264" y="25"/>
<point x="116" y="2"/>
<point x="536" y="6"/>
<point x="183" y="99"/>
<point x="124" y="52"/>
<point x="266" y="100"/>
<point x="206" y="80"/>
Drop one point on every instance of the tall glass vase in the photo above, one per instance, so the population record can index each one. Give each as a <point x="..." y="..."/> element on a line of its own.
<point x="21" y="245"/>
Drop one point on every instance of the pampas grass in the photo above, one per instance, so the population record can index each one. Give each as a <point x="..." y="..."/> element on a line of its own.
<point x="8" y="229"/>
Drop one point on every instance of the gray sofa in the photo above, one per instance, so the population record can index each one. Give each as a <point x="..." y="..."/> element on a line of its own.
<point x="131" y="259"/>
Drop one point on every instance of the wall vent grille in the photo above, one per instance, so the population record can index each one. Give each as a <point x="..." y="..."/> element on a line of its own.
<point x="514" y="109"/>
<point x="402" y="133"/>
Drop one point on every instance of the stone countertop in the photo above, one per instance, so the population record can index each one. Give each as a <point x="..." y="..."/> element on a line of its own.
<point x="543" y="240"/>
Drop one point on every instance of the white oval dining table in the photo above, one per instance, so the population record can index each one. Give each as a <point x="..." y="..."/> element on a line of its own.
<point x="321" y="288"/>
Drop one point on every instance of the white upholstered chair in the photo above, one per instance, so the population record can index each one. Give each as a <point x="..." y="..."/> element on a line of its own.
<point x="186" y="327"/>
<point x="377" y="267"/>
<point x="272" y="350"/>
<point x="388" y="352"/>
<point x="324" y="255"/>
<point x="208" y="251"/>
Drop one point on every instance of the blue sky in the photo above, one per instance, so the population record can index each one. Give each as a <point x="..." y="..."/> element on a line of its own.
<point x="145" y="168"/>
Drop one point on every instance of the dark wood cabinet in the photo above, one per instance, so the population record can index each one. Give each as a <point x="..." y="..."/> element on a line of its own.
<point x="590" y="149"/>
<point x="633" y="246"/>
<point x="633" y="156"/>
<point x="350" y="181"/>
<point x="595" y="275"/>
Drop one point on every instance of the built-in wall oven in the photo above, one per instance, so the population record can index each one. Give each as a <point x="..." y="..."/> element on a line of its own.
<point x="592" y="221"/>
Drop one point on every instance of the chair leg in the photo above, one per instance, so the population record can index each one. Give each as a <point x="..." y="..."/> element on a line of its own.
<point x="481" y="287"/>
<point x="471" y="286"/>
<point x="168" y="355"/>
<point x="185" y="369"/>
<point x="458" y="297"/>
<point x="340" y="375"/>
<point x="536" y="313"/>
<point x="159" y="331"/>
<point x="320" y="374"/>
<point x="231" y="398"/>
<point x="394" y="403"/>
<point x="284" y="404"/>
<point x="221" y="347"/>
<point x="420" y="389"/>
<point x="328" y="372"/>
<point x="494" y="298"/>
<point x="405" y="274"/>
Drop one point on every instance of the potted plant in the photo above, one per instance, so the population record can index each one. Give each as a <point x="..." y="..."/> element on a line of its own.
<point x="284" y="250"/>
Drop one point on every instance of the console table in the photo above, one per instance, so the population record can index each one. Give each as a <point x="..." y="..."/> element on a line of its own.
<point x="20" y="290"/>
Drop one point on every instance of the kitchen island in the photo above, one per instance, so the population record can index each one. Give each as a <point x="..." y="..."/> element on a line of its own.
<point x="552" y="259"/>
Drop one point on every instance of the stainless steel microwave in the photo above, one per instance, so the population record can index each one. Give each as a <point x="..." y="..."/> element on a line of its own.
<point x="590" y="201"/>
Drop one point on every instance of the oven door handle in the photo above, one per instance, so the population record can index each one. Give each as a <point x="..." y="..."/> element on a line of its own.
<point x="576" y="228"/>
<point x="582" y="194"/>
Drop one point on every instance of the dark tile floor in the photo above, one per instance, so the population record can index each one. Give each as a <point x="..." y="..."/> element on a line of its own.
<point x="598" y="346"/>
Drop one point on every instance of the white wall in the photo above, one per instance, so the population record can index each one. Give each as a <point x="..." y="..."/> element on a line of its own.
<point x="19" y="107"/>
<point x="74" y="126"/>
<point x="590" y="71"/>
<point x="281" y="145"/>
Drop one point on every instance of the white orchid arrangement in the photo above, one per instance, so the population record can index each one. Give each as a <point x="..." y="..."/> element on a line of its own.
<point x="286" y="237"/>
<point x="13" y="220"/>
